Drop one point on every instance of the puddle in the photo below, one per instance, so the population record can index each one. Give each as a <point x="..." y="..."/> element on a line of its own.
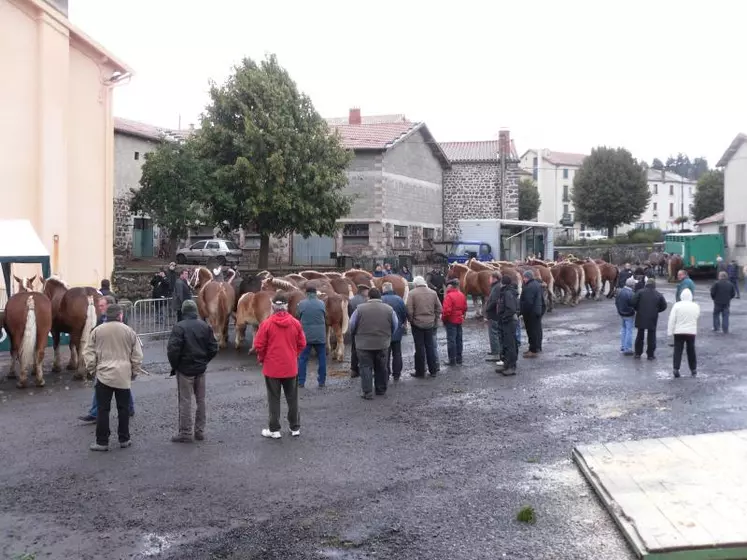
<point x="154" y="544"/>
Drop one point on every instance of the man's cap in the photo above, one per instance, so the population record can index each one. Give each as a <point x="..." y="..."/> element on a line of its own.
<point x="650" y="282"/>
<point x="363" y="287"/>
<point x="113" y="312"/>
<point x="310" y="289"/>
<point x="280" y="299"/>
<point x="630" y="282"/>
<point x="453" y="282"/>
<point x="189" y="306"/>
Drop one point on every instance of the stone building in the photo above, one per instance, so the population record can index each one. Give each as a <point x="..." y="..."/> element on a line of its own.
<point x="396" y="178"/>
<point x="482" y="182"/>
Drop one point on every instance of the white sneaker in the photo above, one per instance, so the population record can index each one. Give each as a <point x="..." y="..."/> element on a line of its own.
<point x="273" y="435"/>
<point x="295" y="433"/>
<point x="499" y="363"/>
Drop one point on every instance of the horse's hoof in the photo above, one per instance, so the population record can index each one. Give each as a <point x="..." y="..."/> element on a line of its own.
<point x="71" y="367"/>
<point x="56" y="369"/>
<point x="21" y="385"/>
<point x="78" y="377"/>
<point x="40" y="383"/>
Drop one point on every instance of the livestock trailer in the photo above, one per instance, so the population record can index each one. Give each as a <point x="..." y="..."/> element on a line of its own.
<point x="511" y="239"/>
<point x="698" y="250"/>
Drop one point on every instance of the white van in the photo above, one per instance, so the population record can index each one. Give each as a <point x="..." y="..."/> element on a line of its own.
<point x="589" y="235"/>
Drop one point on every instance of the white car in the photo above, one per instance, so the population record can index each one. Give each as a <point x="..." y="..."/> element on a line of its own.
<point x="589" y="235"/>
<point x="221" y="251"/>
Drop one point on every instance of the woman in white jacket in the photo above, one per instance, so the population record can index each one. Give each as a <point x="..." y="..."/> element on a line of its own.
<point x="683" y="324"/>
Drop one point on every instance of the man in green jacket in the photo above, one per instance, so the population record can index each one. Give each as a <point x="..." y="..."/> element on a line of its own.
<point x="684" y="282"/>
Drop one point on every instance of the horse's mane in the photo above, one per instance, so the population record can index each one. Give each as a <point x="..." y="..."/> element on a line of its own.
<point x="333" y="274"/>
<point x="358" y="271"/>
<point x="280" y="284"/>
<point x="459" y="266"/>
<point x="57" y="280"/>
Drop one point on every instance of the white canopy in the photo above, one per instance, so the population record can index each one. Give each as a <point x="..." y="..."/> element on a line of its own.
<point x="19" y="239"/>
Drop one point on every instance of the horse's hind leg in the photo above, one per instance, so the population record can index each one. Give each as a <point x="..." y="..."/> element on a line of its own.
<point x="56" y="343"/>
<point x="72" y="364"/>
<point x="38" y="366"/>
<point x="340" y="347"/>
<point x="239" y="335"/>
<point x="22" y="376"/>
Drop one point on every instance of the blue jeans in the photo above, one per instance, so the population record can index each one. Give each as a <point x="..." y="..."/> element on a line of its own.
<point x="720" y="317"/>
<point x="95" y="403"/>
<point x="303" y="359"/>
<point x="494" y="337"/>
<point x="626" y="334"/>
<point x="454" y="342"/>
<point x="735" y="283"/>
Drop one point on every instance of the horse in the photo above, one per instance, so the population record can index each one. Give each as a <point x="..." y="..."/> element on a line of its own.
<point x="610" y="274"/>
<point x="569" y="280"/>
<point x="332" y="274"/>
<point x="336" y="307"/>
<point x="472" y="283"/>
<point x="215" y="301"/>
<point x="26" y="284"/>
<point x="659" y="262"/>
<point x="28" y="320"/>
<point x="278" y="284"/>
<point x="73" y="312"/>
<point x="477" y="266"/>
<point x="594" y="284"/>
<point x="343" y="286"/>
<point x="359" y="277"/>
<point x="245" y="285"/>
<point x="675" y="265"/>
<point x="296" y="279"/>
<point x="400" y="285"/>
<point x="312" y="274"/>
<point x="252" y="309"/>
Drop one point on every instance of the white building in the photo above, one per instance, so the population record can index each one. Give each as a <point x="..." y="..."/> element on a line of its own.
<point x="553" y="172"/>
<point x="671" y="197"/>
<point x="711" y="224"/>
<point x="734" y="163"/>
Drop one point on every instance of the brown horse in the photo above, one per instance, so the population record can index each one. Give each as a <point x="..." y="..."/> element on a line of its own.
<point x="675" y="265"/>
<point x="312" y="274"/>
<point x="215" y="301"/>
<point x="73" y="312"/>
<point x="569" y="281"/>
<point x="610" y="274"/>
<point x="253" y="308"/>
<point x="594" y="284"/>
<point x="472" y="283"/>
<point x="28" y="320"/>
<point x="336" y="307"/>
<point x="296" y="279"/>
<point x="343" y="286"/>
<point x="26" y="284"/>
<point x="400" y="285"/>
<point x="359" y="277"/>
<point x="278" y="284"/>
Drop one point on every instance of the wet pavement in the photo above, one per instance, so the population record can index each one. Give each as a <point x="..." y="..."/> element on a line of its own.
<point x="438" y="468"/>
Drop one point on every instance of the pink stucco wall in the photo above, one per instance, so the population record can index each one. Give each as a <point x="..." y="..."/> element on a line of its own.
<point x="56" y="138"/>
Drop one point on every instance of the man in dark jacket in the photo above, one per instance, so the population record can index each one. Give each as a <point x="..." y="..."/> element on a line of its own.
<point x="531" y="311"/>
<point x="625" y="273"/>
<point x="722" y="292"/>
<point x="436" y="282"/>
<point x="373" y="323"/>
<point x="624" y="304"/>
<point x="106" y="290"/>
<point x="492" y="313"/>
<point x="394" y="357"/>
<point x="732" y="271"/>
<point x="648" y="303"/>
<point x="182" y="292"/>
<point x="313" y="316"/>
<point x="355" y="301"/>
<point x="160" y="292"/>
<point x="190" y="348"/>
<point x="508" y="307"/>
<point x="171" y="276"/>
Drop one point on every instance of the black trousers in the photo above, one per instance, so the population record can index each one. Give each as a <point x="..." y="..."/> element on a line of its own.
<point x="178" y="315"/>
<point x="425" y="350"/>
<point x="685" y="340"/>
<point x="104" y="395"/>
<point x="353" y="357"/>
<point x="394" y="359"/>
<point x="533" y="326"/>
<point x="509" y="347"/>
<point x="650" y="342"/>
<point x="289" y="386"/>
<point x="373" y="370"/>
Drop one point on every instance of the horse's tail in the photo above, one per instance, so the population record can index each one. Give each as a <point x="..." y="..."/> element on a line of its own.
<point x="344" y="305"/>
<point x="600" y="282"/>
<point x="90" y="323"/>
<point x="407" y="291"/>
<point x="231" y="276"/>
<point x="581" y="280"/>
<point x="28" y="342"/>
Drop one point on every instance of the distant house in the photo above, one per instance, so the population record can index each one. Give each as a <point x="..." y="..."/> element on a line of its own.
<point x="711" y="224"/>
<point x="134" y="236"/>
<point x="734" y="163"/>
<point x="397" y="179"/>
<point x="554" y="172"/>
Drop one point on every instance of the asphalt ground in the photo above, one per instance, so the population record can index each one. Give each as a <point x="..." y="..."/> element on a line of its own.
<point x="437" y="468"/>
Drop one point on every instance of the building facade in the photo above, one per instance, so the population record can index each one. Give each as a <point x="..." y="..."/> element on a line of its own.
<point x="553" y="172"/>
<point x="734" y="164"/>
<point x="482" y="182"/>
<point x="57" y="136"/>
<point x="671" y="198"/>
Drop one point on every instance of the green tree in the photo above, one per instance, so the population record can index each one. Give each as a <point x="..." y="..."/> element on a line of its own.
<point x="274" y="162"/>
<point x="171" y="186"/>
<point x="657" y="164"/>
<point x="709" y="195"/>
<point x="529" y="200"/>
<point x="610" y="189"/>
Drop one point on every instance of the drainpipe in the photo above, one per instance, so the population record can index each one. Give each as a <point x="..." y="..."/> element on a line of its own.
<point x="56" y="255"/>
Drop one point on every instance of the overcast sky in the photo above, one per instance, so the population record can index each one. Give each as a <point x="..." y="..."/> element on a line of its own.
<point x="656" y="77"/>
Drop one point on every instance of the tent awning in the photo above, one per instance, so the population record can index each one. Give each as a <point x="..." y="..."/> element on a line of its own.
<point x="19" y="243"/>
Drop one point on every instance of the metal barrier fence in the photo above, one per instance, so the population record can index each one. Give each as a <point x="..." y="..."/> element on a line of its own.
<point x="151" y="317"/>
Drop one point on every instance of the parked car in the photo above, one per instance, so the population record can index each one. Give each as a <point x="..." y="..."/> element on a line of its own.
<point x="590" y="235"/>
<point x="220" y="251"/>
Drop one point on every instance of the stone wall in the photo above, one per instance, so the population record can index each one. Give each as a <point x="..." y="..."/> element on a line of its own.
<point x="132" y="284"/>
<point x="615" y="254"/>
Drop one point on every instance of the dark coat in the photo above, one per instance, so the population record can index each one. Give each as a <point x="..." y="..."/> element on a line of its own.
<point x="722" y="292"/>
<point x="531" y="299"/>
<point x="624" y="302"/>
<point x="191" y="346"/>
<point x="732" y="270"/>
<point x="491" y="306"/>
<point x="160" y="286"/>
<point x="625" y="273"/>
<point x="648" y="303"/>
<point x="398" y="304"/>
<point x="171" y="276"/>
<point x="313" y="316"/>
<point x="508" y="304"/>
<point x="181" y="294"/>
<point x="355" y="301"/>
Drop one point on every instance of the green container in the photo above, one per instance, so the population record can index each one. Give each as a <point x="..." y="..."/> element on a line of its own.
<point x="5" y="340"/>
<point x="698" y="250"/>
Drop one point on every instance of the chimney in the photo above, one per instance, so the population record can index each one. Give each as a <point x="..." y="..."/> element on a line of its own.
<point x="355" y="116"/>
<point x="504" y="143"/>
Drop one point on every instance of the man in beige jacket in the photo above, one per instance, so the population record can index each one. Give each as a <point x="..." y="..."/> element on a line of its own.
<point x="423" y="311"/>
<point x="114" y="355"/>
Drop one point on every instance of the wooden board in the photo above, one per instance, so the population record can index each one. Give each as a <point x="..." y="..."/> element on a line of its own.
<point x="680" y="498"/>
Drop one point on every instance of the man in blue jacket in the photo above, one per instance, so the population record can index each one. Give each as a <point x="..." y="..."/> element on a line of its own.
<point x="313" y="316"/>
<point x="684" y="282"/>
<point x="732" y="272"/>
<point x="624" y="304"/>
<point x="394" y="358"/>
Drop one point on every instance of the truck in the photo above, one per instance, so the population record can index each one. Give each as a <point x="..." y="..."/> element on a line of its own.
<point x="698" y="251"/>
<point x="458" y="251"/>
<point x="511" y="240"/>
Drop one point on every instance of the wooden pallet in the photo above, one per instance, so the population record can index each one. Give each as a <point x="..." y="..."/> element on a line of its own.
<point x="678" y="498"/>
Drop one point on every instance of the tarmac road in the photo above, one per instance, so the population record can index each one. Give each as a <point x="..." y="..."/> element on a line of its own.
<point x="437" y="469"/>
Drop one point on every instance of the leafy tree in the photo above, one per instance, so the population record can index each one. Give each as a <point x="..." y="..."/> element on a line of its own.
<point x="699" y="168"/>
<point x="680" y="164"/>
<point x="274" y="162"/>
<point x="529" y="200"/>
<point x="172" y="181"/>
<point x="709" y="195"/>
<point x="657" y="164"/>
<point x="610" y="189"/>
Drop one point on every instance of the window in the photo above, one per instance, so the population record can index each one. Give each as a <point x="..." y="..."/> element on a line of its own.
<point x="656" y="206"/>
<point x="429" y="233"/>
<point x="354" y="234"/>
<point x="400" y="231"/>
<point x="198" y="245"/>
<point x="534" y="168"/>
<point x="656" y="188"/>
<point x="213" y="245"/>
<point x="565" y="193"/>
<point x="400" y="237"/>
<point x="137" y="156"/>
<point x="565" y="173"/>
<point x="689" y="191"/>
<point x="671" y="190"/>
<point x="724" y="231"/>
<point x="671" y="209"/>
<point x="231" y="246"/>
<point x="565" y="210"/>
<point x="741" y="237"/>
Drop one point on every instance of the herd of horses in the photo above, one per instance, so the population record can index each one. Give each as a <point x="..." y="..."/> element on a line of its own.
<point x="31" y="314"/>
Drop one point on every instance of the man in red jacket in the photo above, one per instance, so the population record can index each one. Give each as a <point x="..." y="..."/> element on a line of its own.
<point x="279" y="342"/>
<point x="454" y="310"/>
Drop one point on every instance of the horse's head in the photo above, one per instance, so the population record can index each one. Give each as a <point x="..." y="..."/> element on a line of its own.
<point x="264" y="274"/>
<point x="25" y="284"/>
<point x="54" y="286"/>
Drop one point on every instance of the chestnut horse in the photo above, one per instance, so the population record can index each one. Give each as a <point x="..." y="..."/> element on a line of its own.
<point x="610" y="274"/>
<point x="215" y="301"/>
<point x="336" y="306"/>
<point x="400" y="285"/>
<point x="569" y="281"/>
<point x="359" y="277"/>
<point x="472" y="283"/>
<point x="28" y="320"/>
<point x="26" y="284"/>
<point x="252" y="309"/>
<point x="674" y="266"/>
<point x="73" y="312"/>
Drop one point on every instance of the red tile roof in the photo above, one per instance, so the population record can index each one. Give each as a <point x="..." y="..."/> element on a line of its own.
<point x="368" y="119"/>
<point x="471" y="151"/>
<point x="717" y="218"/>
<point x="373" y="136"/>
<point x="564" y="158"/>
<point x="148" y="131"/>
